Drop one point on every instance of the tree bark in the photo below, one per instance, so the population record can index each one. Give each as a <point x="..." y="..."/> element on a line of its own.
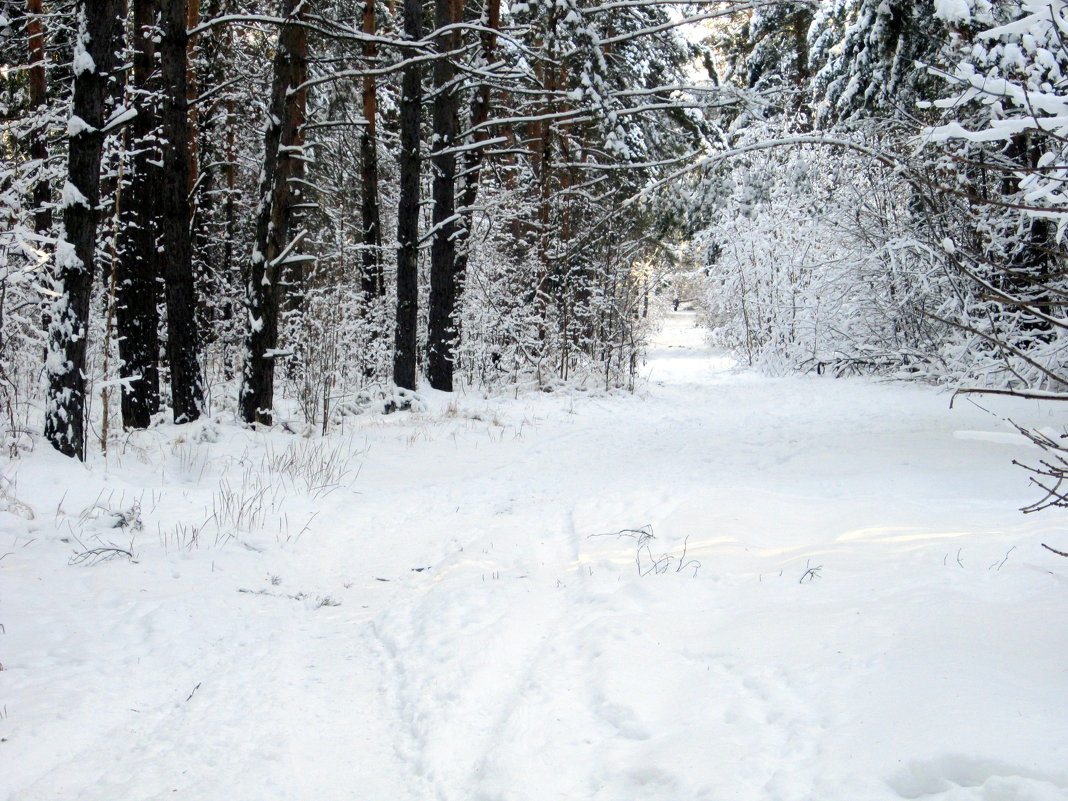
<point x="441" y="335"/>
<point x="372" y="280"/>
<point x="175" y="239"/>
<point x="137" y="271"/>
<point x="94" y="62"/>
<point x="282" y="163"/>
<point x="405" y="340"/>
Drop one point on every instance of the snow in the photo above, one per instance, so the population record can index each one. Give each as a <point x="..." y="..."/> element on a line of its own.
<point x="839" y="601"/>
<point x="66" y="255"/>
<point x="82" y="62"/>
<point x="953" y="11"/>
<point x="72" y="196"/>
<point x="120" y="116"/>
<point x="76" y="125"/>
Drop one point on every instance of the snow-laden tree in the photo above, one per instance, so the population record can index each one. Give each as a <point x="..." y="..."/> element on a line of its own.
<point x="1005" y="127"/>
<point x="813" y="265"/>
<point x="864" y="56"/>
<point x="1000" y="148"/>
<point x="95" y="83"/>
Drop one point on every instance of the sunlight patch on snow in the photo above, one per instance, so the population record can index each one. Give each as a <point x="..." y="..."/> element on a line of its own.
<point x="908" y="534"/>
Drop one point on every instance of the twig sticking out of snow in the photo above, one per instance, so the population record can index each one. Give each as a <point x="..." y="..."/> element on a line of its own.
<point x="642" y="534"/>
<point x="811" y="573"/>
<point x="645" y="559"/>
<point x="945" y="559"/>
<point x="999" y="565"/>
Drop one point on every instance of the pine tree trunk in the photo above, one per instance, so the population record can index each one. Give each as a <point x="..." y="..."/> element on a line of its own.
<point x="38" y="95"/>
<point x="442" y="329"/>
<point x="94" y="62"/>
<point x="404" y="356"/>
<point x="274" y="216"/>
<point x="136" y="284"/>
<point x="372" y="282"/>
<point x="175" y="239"/>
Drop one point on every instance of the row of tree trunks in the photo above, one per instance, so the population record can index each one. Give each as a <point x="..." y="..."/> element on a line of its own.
<point x="441" y="330"/>
<point x="93" y="66"/>
<point x="154" y="237"/>
<point x="155" y="244"/>
<point x="136" y="287"/>
<point x="405" y="363"/>
<point x="276" y="212"/>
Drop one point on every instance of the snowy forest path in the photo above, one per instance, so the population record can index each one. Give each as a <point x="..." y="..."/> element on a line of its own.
<point x="721" y="586"/>
<point x="579" y="637"/>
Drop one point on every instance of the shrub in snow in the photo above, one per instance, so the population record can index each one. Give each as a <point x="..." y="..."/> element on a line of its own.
<point x="824" y="271"/>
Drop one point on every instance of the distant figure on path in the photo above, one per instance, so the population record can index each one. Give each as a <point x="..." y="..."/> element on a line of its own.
<point x="675" y="304"/>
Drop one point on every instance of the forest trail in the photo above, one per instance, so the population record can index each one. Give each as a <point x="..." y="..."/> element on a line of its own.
<point x="724" y="586"/>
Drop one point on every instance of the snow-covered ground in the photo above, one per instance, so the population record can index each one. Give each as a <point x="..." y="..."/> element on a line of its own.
<point x="823" y="590"/>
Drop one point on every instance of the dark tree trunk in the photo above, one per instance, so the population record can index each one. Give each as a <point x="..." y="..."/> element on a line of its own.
<point x="137" y="271"/>
<point x="372" y="282"/>
<point x="282" y="163"/>
<point x="404" y="356"/>
<point x="441" y="334"/>
<point x="175" y="239"/>
<point x="38" y="88"/>
<point x="94" y="62"/>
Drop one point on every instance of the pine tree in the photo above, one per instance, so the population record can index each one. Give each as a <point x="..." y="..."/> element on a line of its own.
<point x="94" y="82"/>
<point x="405" y="362"/>
<point x="443" y="276"/>
<point x="138" y="267"/>
<point x="175" y="237"/>
<point x="867" y="56"/>
<point x="276" y="239"/>
<point x="372" y="278"/>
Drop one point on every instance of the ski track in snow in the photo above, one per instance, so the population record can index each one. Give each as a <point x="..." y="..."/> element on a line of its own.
<point x="849" y="608"/>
